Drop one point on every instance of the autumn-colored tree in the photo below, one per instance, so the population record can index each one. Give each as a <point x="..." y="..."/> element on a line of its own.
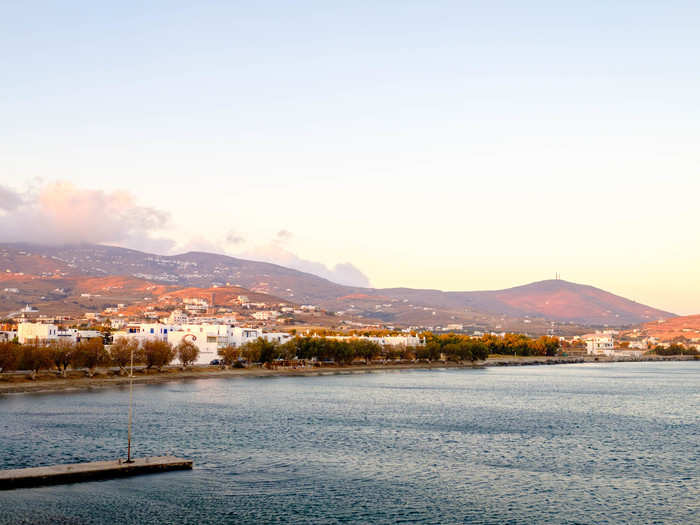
<point x="62" y="354"/>
<point x="34" y="357"/>
<point x="229" y="355"/>
<point x="157" y="353"/>
<point x="187" y="352"/>
<point x="121" y="351"/>
<point x="90" y="354"/>
<point x="9" y="356"/>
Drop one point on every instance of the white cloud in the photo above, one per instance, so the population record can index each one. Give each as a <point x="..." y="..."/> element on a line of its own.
<point x="61" y="213"/>
<point x="342" y="273"/>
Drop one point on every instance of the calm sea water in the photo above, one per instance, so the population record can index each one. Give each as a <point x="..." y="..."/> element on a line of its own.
<point x="598" y="443"/>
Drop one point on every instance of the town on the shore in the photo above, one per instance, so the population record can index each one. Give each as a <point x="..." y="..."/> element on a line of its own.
<point x="196" y="334"/>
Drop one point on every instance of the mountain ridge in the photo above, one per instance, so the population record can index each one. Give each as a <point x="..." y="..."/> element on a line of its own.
<point x="556" y="300"/>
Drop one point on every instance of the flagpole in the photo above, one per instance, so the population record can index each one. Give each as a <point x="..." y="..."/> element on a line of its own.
<point x="131" y="402"/>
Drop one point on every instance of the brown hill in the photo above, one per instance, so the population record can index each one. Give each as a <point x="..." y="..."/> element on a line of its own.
<point x="686" y="327"/>
<point x="566" y="301"/>
<point x="75" y="295"/>
<point x="554" y="300"/>
<point x="224" y="295"/>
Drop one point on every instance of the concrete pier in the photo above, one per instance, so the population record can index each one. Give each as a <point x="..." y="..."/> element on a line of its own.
<point x="57" y="474"/>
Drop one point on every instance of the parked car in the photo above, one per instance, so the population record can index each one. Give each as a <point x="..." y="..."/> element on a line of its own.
<point x="216" y="362"/>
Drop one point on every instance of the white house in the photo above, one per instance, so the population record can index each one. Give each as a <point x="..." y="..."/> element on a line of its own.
<point x="74" y="335"/>
<point x="600" y="344"/>
<point x="28" y="332"/>
<point x="265" y="315"/>
<point x="178" y="317"/>
<point x="277" y="337"/>
<point x="209" y="338"/>
<point x="145" y="331"/>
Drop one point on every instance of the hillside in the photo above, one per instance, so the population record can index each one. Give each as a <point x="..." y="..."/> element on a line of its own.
<point x="686" y="327"/>
<point x="563" y="300"/>
<point x="512" y="308"/>
<point x="189" y="269"/>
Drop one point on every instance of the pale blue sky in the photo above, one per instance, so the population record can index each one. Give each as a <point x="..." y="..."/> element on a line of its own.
<point x="455" y="145"/>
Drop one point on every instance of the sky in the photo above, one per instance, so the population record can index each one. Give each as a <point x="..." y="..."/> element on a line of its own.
<point x="453" y="145"/>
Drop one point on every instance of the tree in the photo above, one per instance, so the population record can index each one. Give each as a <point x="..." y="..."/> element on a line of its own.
<point x="261" y="350"/>
<point x="551" y="345"/>
<point x="157" y="353"/>
<point x="62" y="354"/>
<point x="121" y="351"/>
<point x="480" y="351"/>
<point x="187" y="352"/>
<point x="34" y="357"/>
<point x="251" y="352"/>
<point x="367" y="350"/>
<point x="229" y="355"/>
<point x="90" y="354"/>
<point x="9" y="356"/>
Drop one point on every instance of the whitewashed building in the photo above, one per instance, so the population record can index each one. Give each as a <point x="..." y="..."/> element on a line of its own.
<point x="42" y="332"/>
<point x="600" y="344"/>
<point x="74" y="335"/>
<point x="209" y="338"/>
<point x="265" y="315"/>
<point x="178" y="317"/>
<point x="277" y="337"/>
<point x="145" y="331"/>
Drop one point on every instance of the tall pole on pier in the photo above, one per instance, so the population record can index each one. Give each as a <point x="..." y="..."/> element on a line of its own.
<point x="131" y="403"/>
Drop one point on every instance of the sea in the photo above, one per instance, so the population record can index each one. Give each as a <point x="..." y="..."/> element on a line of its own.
<point x="602" y="443"/>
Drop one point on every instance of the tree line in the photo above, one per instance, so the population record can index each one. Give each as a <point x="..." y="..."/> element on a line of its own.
<point x="91" y="353"/>
<point x="451" y="347"/>
<point x="480" y="347"/>
<point x="675" y="349"/>
<point x="306" y="348"/>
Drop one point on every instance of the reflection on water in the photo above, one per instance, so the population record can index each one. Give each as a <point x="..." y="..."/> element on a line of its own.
<point x="603" y="443"/>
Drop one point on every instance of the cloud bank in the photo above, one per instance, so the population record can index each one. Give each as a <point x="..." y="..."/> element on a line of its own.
<point x="60" y="213"/>
<point x="343" y="273"/>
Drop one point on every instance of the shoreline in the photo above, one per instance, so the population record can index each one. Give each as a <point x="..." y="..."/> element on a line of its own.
<point x="59" y="384"/>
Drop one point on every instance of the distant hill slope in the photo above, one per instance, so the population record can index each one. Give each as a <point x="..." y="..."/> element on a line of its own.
<point x="188" y="269"/>
<point x="554" y="299"/>
<point x="686" y="327"/>
<point x="563" y="300"/>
